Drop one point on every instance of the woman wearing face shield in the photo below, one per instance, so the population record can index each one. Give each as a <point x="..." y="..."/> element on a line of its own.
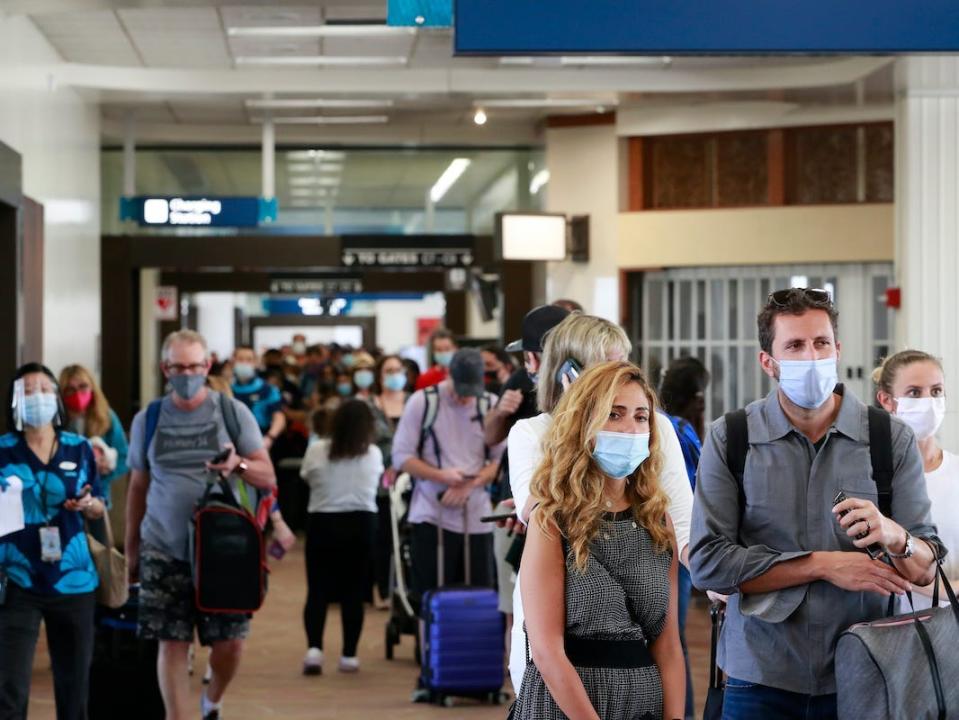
<point x="910" y="385"/>
<point x="46" y="567"/>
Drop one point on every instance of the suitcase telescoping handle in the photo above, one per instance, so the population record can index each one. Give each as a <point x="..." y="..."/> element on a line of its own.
<point x="441" y="553"/>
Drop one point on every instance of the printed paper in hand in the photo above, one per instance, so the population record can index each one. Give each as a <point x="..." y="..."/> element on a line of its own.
<point x="11" y="505"/>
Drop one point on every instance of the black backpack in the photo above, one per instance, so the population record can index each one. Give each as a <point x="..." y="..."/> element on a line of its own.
<point x="227" y="553"/>
<point x="880" y="453"/>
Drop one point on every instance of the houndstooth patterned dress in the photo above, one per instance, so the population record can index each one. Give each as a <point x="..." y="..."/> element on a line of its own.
<point x="623" y="595"/>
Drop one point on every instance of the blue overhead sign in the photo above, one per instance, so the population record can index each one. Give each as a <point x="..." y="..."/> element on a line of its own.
<point x="419" y="13"/>
<point x="705" y="26"/>
<point x="198" y="211"/>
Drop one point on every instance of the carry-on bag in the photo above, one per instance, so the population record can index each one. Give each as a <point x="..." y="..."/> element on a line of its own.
<point x="228" y="554"/>
<point x="123" y="673"/>
<point x="463" y="637"/>
<point x="905" y="666"/>
<point x="111" y="566"/>
<point x="716" y="691"/>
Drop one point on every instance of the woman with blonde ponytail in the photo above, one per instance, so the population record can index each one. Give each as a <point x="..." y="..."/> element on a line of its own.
<point x="599" y="572"/>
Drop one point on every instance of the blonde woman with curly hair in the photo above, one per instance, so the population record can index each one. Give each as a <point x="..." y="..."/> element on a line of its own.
<point x="599" y="572"/>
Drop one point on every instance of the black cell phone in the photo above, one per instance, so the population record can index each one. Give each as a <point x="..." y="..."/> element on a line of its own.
<point x="497" y="518"/>
<point x="875" y="549"/>
<point x="570" y="370"/>
<point x="221" y="457"/>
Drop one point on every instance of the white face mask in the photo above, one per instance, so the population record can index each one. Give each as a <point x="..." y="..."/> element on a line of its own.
<point x="923" y="415"/>
<point x="808" y="383"/>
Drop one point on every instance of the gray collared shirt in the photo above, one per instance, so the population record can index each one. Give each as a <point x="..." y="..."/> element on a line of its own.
<point x="787" y="639"/>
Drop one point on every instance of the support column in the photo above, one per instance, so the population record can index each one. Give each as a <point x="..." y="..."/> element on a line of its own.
<point x="269" y="159"/>
<point x="927" y="217"/>
<point x="130" y="155"/>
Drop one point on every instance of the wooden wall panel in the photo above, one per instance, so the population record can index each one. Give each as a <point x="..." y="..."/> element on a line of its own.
<point x="742" y="171"/>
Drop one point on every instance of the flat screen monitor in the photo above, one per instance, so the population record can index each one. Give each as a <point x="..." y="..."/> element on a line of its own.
<point x="531" y="236"/>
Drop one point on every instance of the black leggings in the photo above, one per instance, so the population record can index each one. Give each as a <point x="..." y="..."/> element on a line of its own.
<point x="69" y="623"/>
<point x="338" y="552"/>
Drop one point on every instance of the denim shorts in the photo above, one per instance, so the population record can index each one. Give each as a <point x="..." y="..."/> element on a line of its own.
<point x="168" y="604"/>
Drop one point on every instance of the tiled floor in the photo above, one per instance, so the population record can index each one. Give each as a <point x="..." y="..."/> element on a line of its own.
<point x="270" y="684"/>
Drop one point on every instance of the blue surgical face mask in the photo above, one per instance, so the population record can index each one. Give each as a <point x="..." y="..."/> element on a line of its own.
<point x="344" y="389"/>
<point x="39" y="409"/>
<point x="444" y="358"/>
<point x="619" y="454"/>
<point x="808" y="383"/>
<point x="244" y="372"/>
<point x="363" y="378"/>
<point x="395" y="381"/>
<point x="187" y="386"/>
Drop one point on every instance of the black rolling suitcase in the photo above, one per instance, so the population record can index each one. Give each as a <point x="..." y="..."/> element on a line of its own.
<point x="123" y="675"/>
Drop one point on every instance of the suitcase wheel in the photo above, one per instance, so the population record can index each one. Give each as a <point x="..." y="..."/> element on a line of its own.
<point x="447" y="701"/>
<point x="499" y="698"/>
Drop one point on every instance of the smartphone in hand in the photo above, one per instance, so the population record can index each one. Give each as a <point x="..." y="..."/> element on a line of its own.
<point x="221" y="457"/>
<point x="875" y="550"/>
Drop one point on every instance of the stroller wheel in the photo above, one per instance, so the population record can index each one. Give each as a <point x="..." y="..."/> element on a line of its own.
<point x="392" y="638"/>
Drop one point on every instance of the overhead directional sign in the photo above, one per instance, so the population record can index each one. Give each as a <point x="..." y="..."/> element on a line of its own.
<point x="407" y="257"/>
<point x="198" y="211"/>
<point x="705" y="26"/>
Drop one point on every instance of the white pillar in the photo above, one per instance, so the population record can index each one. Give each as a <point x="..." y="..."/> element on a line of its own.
<point x="269" y="159"/>
<point x="129" y="155"/>
<point x="927" y="217"/>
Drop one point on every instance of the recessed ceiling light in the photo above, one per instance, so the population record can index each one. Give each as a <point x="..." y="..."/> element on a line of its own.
<point x="306" y="103"/>
<point x="352" y="30"/>
<point x="538" y="181"/>
<point x="329" y="120"/>
<point x="539" y="102"/>
<point x="315" y="154"/>
<point x="480" y="116"/>
<point x="321" y="60"/>
<point x="612" y="60"/>
<point x="448" y="178"/>
<point x="313" y="181"/>
<point x="307" y="167"/>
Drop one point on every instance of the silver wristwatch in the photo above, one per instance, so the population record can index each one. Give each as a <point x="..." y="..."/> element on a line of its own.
<point x="907" y="553"/>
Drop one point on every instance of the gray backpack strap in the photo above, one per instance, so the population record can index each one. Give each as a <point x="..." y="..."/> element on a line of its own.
<point x="230" y="419"/>
<point x="432" y="409"/>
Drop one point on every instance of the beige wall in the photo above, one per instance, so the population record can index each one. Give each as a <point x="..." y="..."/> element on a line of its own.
<point x="584" y="164"/>
<point x="751" y="236"/>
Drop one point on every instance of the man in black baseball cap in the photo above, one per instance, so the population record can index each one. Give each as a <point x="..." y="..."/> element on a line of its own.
<point x="518" y="400"/>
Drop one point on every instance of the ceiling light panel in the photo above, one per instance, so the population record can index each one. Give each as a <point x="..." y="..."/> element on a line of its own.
<point x="542" y="102"/>
<point x="449" y="177"/>
<point x="323" y="31"/>
<point x="321" y="60"/>
<point x="312" y="103"/>
<point x="307" y="167"/>
<point x="329" y="120"/>
<point x="316" y="154"/>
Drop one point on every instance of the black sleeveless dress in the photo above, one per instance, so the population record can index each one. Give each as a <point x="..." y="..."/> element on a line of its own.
<point x="623" y="595"/>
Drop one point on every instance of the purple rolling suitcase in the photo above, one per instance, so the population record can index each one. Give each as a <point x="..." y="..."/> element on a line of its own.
<point x="463" y="638"/>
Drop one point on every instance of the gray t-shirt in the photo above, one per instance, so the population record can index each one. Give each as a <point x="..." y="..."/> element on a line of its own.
<point x="182" y="443"/>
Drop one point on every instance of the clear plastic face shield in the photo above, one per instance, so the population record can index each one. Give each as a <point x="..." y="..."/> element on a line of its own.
<point x="19" y="398"/>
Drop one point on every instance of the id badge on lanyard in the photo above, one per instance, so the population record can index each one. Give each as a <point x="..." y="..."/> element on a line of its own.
<point x="50" y="548"/>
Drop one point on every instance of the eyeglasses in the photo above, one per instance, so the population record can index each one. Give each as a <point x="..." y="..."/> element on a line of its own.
<point x="178" y="369"/>
<point x="781" y="298"/>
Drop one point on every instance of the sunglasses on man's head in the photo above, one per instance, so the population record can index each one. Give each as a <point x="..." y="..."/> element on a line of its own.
<point x="781" y="298"/>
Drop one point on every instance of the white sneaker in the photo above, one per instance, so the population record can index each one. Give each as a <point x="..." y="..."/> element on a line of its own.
<point x="313" y="662"/>
<point x="349" y="664"/>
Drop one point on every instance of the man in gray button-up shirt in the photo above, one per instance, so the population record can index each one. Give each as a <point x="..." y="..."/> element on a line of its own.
<point x="796" y="574"/>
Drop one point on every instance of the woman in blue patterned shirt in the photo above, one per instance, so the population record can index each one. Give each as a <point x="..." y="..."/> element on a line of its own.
<point x="49" y="573"/>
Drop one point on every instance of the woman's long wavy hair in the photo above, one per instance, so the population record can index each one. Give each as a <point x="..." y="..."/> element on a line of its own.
<point x="568" y="484"/>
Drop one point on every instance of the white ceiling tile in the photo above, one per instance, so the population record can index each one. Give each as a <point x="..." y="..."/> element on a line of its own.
<point x="278" y="16"/>
<point x="178" y="37"/>
<point x="94" y="37"/>
<point x="399" y="46"/>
